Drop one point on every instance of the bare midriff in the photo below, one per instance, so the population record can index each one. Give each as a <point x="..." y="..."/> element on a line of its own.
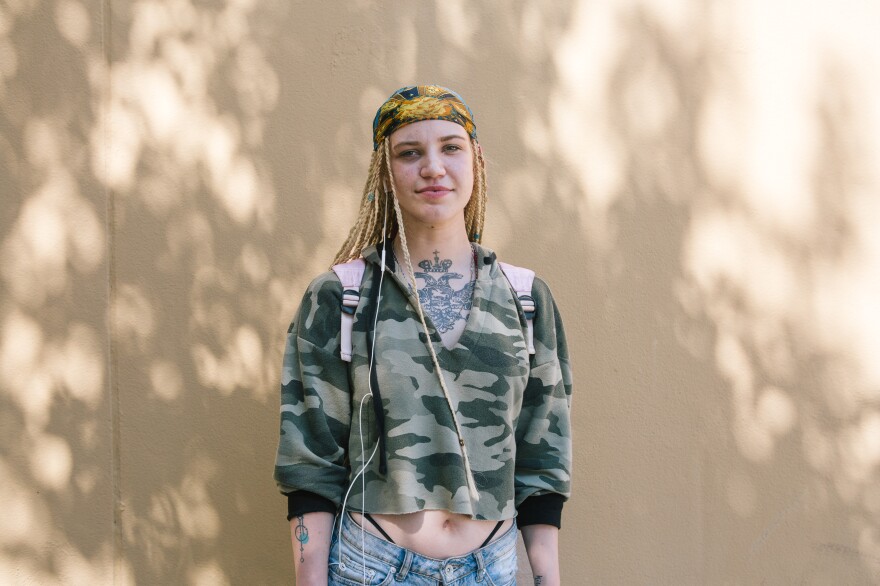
<point x="435" y="534"/>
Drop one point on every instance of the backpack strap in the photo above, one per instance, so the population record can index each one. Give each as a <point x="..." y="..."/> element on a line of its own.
<point x="521" y="280"/>
<point x="350" y="275"/>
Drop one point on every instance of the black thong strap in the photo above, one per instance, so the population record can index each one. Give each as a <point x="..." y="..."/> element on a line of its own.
<point x="370" y="518"/>
<point x="491" y="535"/>
<point x="378" y="527"/>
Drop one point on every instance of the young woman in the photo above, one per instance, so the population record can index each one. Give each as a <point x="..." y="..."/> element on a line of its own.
<point x="414" y="456"/>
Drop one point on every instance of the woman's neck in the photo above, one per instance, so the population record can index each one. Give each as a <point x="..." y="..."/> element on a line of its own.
<point x="444" y="270"/>
<point x="451" y="243"/>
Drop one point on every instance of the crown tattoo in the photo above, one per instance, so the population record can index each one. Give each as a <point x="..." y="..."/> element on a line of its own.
<point x="438" y="266"/>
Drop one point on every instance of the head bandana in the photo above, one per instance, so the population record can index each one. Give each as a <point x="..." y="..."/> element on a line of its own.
<point x="421" y="102"/>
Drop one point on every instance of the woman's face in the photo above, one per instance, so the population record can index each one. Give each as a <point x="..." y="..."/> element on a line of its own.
<point x="432" y="164"/>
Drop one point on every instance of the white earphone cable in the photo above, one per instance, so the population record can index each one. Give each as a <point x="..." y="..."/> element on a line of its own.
<point x="363" y="468"/>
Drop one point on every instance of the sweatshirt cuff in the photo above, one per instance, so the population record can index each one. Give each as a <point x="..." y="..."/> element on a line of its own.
<point x="300" y="502"/>
<point x="543" y="509"/>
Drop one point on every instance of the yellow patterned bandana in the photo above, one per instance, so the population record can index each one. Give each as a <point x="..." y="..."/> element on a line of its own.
<point x="421" y="102"/>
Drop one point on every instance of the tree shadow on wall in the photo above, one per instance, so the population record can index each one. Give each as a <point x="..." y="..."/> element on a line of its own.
<point x="729" y="445"/>
<point x="55" y="423"/>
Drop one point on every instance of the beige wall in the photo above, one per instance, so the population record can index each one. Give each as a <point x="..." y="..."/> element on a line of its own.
<point x="698" y="181"/>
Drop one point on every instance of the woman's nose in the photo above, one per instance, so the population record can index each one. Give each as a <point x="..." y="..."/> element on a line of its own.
<point x="432" y="166"/>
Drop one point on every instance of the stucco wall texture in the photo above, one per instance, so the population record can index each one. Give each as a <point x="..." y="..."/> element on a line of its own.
<point x="697" y="180"/>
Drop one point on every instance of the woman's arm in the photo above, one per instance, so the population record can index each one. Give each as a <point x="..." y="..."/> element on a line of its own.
<point x="310" y="534"/>
<point x="542" y="547"/>
<point x="311" y="466"/>
<point x="543" y="449"/>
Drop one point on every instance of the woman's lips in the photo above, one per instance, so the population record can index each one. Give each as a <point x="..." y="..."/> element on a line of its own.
<point x="434" y="191"/>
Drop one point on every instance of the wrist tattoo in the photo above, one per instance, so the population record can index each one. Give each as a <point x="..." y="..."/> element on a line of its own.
<point x="539" y="580"/>
<point x="301" y="533"/>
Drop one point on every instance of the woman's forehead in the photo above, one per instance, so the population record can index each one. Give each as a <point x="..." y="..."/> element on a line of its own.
<point x="428" y="131"/>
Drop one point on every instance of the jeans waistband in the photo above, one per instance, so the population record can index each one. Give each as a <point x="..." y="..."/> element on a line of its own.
<point x="407" y="561"/>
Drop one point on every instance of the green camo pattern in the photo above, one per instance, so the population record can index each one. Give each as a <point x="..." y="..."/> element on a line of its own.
<point x="513" y="408"/>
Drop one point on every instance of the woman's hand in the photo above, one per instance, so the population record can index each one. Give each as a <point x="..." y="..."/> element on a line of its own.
<point x="310" y="534"/>
<point x="542" y="546"/>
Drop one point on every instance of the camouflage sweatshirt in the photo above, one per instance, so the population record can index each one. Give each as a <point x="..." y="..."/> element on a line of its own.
<point x="513" y="408"/>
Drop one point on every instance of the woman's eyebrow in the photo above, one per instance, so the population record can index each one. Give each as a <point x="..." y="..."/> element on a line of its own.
<point x="417" y="142"/>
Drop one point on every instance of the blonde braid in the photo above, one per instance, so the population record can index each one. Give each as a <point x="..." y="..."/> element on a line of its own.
<point x="472" y="486"/>
<point x="472" y="203"/>
<point x="475" y="210"/>
<point x="484" y="195"/>
<point x="410" y="274"/>
<point x="368" y="227"/>
<point x="356" y="232"/>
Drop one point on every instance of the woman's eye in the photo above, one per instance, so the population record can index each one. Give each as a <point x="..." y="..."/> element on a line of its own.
<point x="407" y="153"/>
<point x="452" y="147"/>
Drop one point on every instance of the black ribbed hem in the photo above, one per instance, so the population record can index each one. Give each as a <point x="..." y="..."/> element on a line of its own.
<point x="543" y="509"/>
<point x="300" y="502"/>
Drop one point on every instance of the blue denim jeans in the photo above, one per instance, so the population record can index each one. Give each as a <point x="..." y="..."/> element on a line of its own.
<point x="381" y="562"/>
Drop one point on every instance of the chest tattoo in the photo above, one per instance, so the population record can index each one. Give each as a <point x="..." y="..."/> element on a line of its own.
<point x="442" y="302"/>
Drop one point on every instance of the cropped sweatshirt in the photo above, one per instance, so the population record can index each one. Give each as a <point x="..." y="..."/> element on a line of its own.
<point x="512" y="407"/>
